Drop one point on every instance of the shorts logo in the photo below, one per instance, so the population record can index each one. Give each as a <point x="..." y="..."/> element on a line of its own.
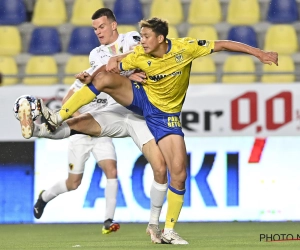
<point x="178" y="58"/>
<point x="71" y="166"/>
<point x="173" y="121"/>
<point x="136" y="85"/>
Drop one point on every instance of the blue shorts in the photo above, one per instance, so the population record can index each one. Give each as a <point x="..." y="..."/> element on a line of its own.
<point x="159" y="123"/>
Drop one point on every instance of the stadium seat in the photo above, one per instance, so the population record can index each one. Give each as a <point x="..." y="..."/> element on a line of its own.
<point x="204" y="12"/>
<point x="41" y="65"/>
<point x="203" y="65"/>
<point x="10" y="41"/>
<point x="239" y="64"/>
<point x="83" y="10"/>
<point x="82" y="41"/>
<point x="286" y="64"/>
<point x="12" y="12"/>
<point x="44" y="41"/>
<point x="128" y="12"/>
<point x="170" y="10"/>
<point x="204" y="32"/>
<point x="173" y="33"/>
<point x="282" y="39"/>
<point x="8" y="66"/>
<point x="75" y="65"/>
<point x="49" y="13"/>
<point x="283" y="11"/>
<point x="122" y="29"/>
<point x="243" y="34"/>
<point x="243" y="12"/>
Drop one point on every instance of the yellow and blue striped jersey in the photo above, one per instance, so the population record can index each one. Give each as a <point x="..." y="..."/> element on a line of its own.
<point x="168" y="77"/>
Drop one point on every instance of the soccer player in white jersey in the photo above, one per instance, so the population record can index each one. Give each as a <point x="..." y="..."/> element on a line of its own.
<point x="114" y="120"/>
<point x="79" y="150"/>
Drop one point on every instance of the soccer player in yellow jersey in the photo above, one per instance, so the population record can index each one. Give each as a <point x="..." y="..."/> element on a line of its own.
<point x="159" y="98"/>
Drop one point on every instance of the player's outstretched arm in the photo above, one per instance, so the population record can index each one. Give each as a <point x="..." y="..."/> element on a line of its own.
<point x="267" y="57"/>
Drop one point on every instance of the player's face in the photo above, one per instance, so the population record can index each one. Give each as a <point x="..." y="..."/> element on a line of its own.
<point x="149" y="40"/>
<point x="105" y="30"/>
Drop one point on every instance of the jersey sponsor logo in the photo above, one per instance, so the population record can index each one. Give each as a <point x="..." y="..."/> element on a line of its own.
<point x="173" y="121"/>
<point x="157" y="78"/>
<point x="178" y="58"/>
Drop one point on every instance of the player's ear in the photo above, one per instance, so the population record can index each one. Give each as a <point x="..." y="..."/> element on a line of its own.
<point x="114" y="25"/>
<point x="161" y="38"/>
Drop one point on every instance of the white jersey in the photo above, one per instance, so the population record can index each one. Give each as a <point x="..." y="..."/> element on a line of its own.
<point x="99" y="57"/>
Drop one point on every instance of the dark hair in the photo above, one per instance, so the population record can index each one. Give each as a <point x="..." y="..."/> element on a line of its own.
<point x="158" y="26"/>
<point x="104" y="12"/>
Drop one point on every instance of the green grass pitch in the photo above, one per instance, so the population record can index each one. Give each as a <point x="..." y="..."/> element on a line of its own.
<point x="206" y="235"/>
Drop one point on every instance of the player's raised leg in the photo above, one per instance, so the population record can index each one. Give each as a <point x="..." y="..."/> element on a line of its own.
<point x="25" y="118"/>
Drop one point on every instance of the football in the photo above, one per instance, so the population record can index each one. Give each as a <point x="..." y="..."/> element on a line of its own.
<point x="33" y="104"/>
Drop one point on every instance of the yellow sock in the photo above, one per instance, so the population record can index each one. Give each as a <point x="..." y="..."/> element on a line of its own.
<point x="76" y="101"/>
<point x="175" y="202"/>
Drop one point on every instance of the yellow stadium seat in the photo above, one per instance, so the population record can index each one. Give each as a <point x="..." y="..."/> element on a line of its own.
<point x="170" y="10"/>
<point x="204" y="32"/>
<point x="83" y="10"/>
<point x="8" y="66"/>
<point x="75" y="65"/>
<point x="243" y="12"/>
<point x="10" y="41"/>
<point x="282" y="39"/>
<point x="122" y="29"/>
<point x="49" y="13"/>
<point x="173" y="33"/>
<point x="285" y="64"/>
<point x="237" y="64"/>
<point x="41" y="65"/>
<point x="204" y="12"/>
<point x="203" y="65"/>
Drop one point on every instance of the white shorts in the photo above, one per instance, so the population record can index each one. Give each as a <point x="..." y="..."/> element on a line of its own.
<point x="80" y="148"/>
<point x="117" y="122"/>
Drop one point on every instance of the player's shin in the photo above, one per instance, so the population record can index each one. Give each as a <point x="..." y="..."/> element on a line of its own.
<point x="157" y="197"/>
<point x="83" y="96"/>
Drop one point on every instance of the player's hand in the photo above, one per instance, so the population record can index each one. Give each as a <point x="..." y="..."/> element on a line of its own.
<point x="138" y="76"/>
<point x="268" y="57"/>
<point x="84" y="77"/>
<point x="112" y="65"/>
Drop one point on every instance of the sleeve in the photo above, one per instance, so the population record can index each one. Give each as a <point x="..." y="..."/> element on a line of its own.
<point x="132" y="39"/>
<point x="200" y="48"/>
<point x="129" y="62"/>
<point x="95" y="61"/>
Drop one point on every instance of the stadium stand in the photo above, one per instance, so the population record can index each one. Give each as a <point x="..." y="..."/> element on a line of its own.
<point x="286" y="65"/>
<point x="204" y="12"/>
<point x="268" y="24"/>
<point x="83" y="10"/>
<point x="10" y="41"/>
<point x="82" y="41"/>
<point x="49" y="13"/>
<point x="45" y="41"/>
<point x="8" y="66"/>
<point x="41" y="65"/>
<point x="283" y="11"/>
<point x="201" y="66"/>
<point x="128" y="12"/>
<point x="281" y="38"/>
<point x="75" y="65"/>
<point x="239" y="64"/>
<point x="12" y="12"/>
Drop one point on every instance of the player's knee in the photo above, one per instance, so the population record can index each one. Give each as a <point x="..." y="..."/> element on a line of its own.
<point x="73" y="184"/>
<point x="178" y="173"/>
<point x="102" y="80"/>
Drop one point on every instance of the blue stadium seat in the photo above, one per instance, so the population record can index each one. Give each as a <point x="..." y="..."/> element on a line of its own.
<point x="12" y="12"/>
<point x="129" y="11"/>
<point x="44" y="41"/>
<point x="82" y="41"/>
<point x="283" y="11"/>
<point x="243" y="34"/>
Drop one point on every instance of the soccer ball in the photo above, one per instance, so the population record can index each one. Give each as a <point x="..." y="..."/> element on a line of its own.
<point x="33" y="104"/>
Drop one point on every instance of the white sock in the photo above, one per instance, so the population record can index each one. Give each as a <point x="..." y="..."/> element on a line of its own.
<point x="157" y="195"/>
<point x="63" y="131"/>
<point x="111" y="190"/>
<point x="59" y="188"/>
